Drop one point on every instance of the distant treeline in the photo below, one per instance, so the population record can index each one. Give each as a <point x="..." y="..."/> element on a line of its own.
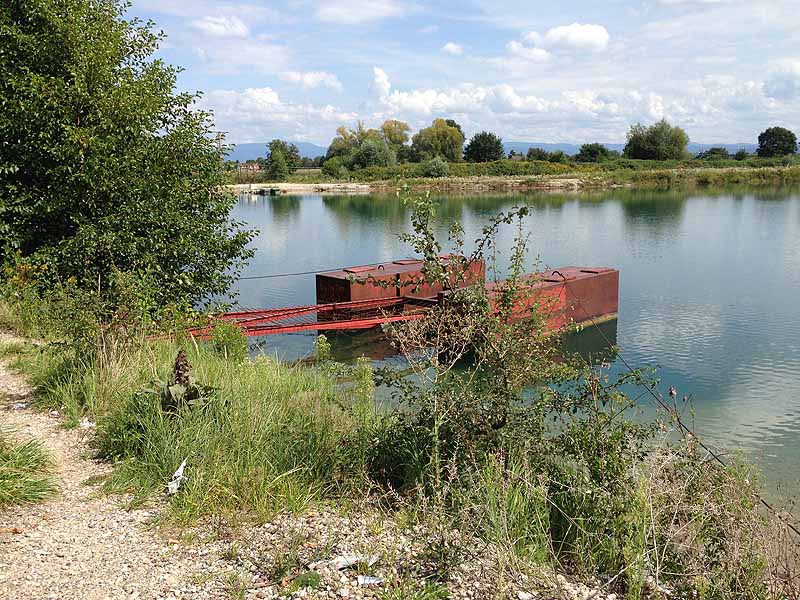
<point x="365" y="154"/>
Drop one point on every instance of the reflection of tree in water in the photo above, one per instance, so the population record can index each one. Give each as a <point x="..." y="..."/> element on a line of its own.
<point x="655" y="212"/>
<point x="284" y="207"/>
<point x="368" y="209"/>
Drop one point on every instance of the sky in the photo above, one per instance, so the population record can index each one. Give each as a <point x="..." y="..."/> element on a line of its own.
<point x="571" y="71"/>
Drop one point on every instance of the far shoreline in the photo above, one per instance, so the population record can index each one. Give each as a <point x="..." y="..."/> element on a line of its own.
<point x="656" y="179"/>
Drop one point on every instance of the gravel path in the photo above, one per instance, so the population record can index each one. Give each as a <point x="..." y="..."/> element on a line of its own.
<point x="82" y="545"/>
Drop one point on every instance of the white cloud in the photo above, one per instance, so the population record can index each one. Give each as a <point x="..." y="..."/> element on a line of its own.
<point x="783" y="83"/>
<point x="231" y="56"/>
<point x="590" y="38"/>
<point x="312" y="79"/>
<point x="453" y="49"/>
<point x="380" y="82"/>
<point x="353" y="12"/>
<point x="524" y="52"/>
<point x="257" y="114"/>
<point x="222" y="26"/>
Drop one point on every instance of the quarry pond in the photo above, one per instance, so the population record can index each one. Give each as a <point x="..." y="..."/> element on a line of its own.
<point x="709" y="288"/>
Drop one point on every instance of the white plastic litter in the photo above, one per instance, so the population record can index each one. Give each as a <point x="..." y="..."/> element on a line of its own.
<point x="177" y="479"/>
<point x="348" y="560"/>
<point x="86" y="423"/>
<point x="364" y="580"/>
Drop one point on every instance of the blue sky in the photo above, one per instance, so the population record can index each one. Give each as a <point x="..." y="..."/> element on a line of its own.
<point x="569" y="71"/>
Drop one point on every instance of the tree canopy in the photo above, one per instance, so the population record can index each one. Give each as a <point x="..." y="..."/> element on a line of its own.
<point x="395" y="133"/>
<point x="290" y="153"/>
<point x="103" y="166"/>
<point x="595" y="152"/>
<point x="776" y="141"/>
<point x="484" y="147"/>
<point x="440" y="139"/>
<point x="660" y="141"/>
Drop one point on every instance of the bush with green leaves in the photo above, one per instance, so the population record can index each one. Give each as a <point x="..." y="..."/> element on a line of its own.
<point x="595" y="152"/>
<point x="104" y="165"/>
<point x="336" y="167"/>
<point x="435" y="167"/>
<point x="373" y="153"/>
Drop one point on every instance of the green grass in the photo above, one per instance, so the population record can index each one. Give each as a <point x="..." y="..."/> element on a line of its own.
<point x="24" y="471"/>
<point x="266" y="437"/>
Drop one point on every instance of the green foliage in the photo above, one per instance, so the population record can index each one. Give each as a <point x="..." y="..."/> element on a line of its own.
<point x="373" y="153"/>
<point x="440" y="139"/>
<point x="336" y="167"/>
<point x="395" y="133"/>
<point x="537" y="154"/>
<point x="558" y="156"/>
<point x="776" y="141"/>
<point x="290" y="153"/>
<point x="715" y="153"/>
<point x="592" y="153"/>
<point x="278" y="169"/>
<point x="435" y="167"/>
<point x="229" y="341"/>
<point x="484" y="147"/>
<point x="741" y="154"/>
<point x="107" y="167"/>
<point x="24" y="471"/>
<point x="660" y="141"/>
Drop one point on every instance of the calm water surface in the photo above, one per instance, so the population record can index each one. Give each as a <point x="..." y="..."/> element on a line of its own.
<point x="709" y="288"/>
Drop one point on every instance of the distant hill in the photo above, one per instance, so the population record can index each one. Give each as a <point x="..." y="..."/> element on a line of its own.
<point x="694" y="148"/>
<point x="243" y="152"/>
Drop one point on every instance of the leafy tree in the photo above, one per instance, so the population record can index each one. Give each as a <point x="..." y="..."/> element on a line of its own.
<point x="595" y="152"/>
<point x="104" y="168"/>
<point x="335" y="167"/>
<point x="741" y="154"/>
<point x="395" y="133"/>
<point x="660" y="141"/>
<point x="537" y="154"/>
<point x="291" y="155"/>
<point x="278" y="170"/>
<point x="558" y="156"/>
<point x="452" y="123"/>
<point x="373" y="153"/>
<point x="440" y="139"/>
<point x="776" y="141"/>
<point x="715" y="153"/>
<point x="484" y="147"/>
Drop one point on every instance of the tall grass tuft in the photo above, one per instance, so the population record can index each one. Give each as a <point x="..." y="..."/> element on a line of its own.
<point x="24" y="471"/>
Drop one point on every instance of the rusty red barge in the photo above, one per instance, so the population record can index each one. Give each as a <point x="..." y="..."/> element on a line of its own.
<point x="370" y="295"/>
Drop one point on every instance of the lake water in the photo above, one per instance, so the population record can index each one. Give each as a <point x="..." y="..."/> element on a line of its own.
<point x="709" y="288"/>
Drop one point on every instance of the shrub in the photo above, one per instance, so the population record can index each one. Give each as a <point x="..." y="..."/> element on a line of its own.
<point x="435" y="167"/>
<point x="373" y="153"/>
<point x="335" y="167"/>
<point x="229" y="341"/>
